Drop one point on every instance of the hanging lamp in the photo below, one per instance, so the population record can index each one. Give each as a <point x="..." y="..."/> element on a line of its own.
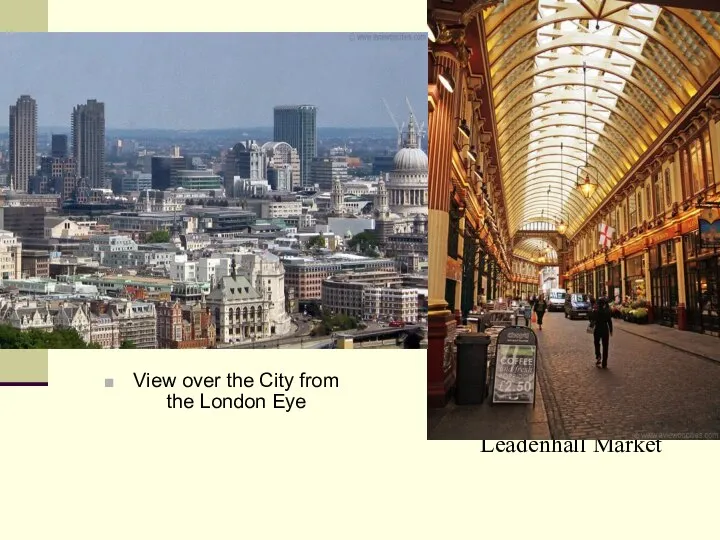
<point x="587" y="176"/>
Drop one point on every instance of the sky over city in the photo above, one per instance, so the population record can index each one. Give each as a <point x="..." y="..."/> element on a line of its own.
<point x="214" y="81"/>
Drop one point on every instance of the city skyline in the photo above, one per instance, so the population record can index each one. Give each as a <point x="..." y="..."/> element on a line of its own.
<point x="212" y="91"/>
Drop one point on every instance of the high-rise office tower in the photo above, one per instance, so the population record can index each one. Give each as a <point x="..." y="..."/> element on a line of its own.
<point x="23" y="141"/>
<point x="59" y="146"/>
<point x="88" y="141"/>
<point x="296" y="125"/>
<point x="164" y="171"/>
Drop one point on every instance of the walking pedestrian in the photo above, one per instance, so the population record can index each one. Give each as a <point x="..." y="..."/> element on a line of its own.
<point x="540" y="309"/>
<point x="601" y="320"/>
<point x="527" y="313"/>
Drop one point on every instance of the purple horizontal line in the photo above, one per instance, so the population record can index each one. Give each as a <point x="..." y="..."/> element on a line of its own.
<point x="23" y="383"/>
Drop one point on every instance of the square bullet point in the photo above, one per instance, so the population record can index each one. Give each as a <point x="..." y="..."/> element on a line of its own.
<point x="108" y="383"/>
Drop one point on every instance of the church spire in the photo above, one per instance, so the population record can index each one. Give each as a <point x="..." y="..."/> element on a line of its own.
<point x="412" y="138"/>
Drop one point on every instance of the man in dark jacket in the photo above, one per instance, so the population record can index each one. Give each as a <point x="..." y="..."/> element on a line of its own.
<point x="601" y="318"/>
<point x="540" y="308"/>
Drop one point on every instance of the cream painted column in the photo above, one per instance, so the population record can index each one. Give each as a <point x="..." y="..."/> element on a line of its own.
<point x="622" y="279"/>
<point x="606" y="287"/>
<point x="461" y="252"/>
<point x="676" y="178"/>
<point x="680" y="265"/>
<point x="646" y="265"/>
<point x="714" y="130"/>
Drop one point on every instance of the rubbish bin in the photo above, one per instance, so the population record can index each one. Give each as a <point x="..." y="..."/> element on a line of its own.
<point x="470" y="388"/>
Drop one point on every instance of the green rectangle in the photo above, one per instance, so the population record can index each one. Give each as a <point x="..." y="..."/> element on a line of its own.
<point x="24" y="366"/>
<point x="23" y="16"/>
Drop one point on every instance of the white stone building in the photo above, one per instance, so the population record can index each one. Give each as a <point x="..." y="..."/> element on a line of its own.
<point x="391" y="303"/>
<point x="268" y="275"/>
<point x="113" y="250"/>
<point x="105" y="331"/>
<point x="10" y="256"/>
<point x="77" y="316"/>
<point x="370" y="295"/>
<point x="57" y="227"/>
<point x="408" y="181"/>
<point x="241" y="313"/>
<point x="26" y="314"/>
<point x="137" y="323"/>
<point x="210" y="269"/>
<point x="404" y="193"/>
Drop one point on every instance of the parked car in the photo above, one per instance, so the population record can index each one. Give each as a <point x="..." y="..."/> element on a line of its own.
<point x="556" y="299"/>
<point x="577" y="305"/>
<point x="397" y="324"/>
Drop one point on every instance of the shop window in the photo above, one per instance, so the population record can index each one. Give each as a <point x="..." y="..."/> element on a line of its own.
<point x="632" y="211"/>
<point x="670" y="252"/>
<point x="686" y="182"/>
<point x="696" y="166"/>
<point x="658" y="194"/>
<point x="626" y="217"/>
<point x="690" y="246"/>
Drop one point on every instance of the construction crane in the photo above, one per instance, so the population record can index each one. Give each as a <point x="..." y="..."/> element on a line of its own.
<point x="399" y="127"/>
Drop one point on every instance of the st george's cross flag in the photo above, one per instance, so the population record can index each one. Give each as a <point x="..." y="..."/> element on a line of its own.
<point x="606" y="234"/>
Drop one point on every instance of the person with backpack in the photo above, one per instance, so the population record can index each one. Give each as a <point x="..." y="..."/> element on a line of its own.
<point x="540" y="309"/>
<point x="602" y="327"/>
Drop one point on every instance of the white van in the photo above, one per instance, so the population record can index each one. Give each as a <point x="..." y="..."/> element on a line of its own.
<point x="556" y="300"/>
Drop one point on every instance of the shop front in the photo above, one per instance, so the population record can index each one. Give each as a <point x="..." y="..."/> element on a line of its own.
<point x="702" y="278"/>
<point x="582" y="282"/>
<point x="599" y="281"/>
<point x="635" y="278"/>
<point x="663" y="275"/>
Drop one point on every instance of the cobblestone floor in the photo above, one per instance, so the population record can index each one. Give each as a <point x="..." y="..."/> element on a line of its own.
<point x="648" y="391"/>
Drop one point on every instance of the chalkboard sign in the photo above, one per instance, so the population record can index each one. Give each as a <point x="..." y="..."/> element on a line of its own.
<point x="515" y="366"/>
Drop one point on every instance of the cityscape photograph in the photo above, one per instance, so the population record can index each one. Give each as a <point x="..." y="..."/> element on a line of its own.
<point x="574" y="210"/>
<point x="203" y="191"/>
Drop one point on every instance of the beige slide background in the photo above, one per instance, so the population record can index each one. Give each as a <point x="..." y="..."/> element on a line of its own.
<point x="81" y="461"/>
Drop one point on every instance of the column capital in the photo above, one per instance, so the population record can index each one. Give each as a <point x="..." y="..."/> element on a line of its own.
<point x="713" y="107"/>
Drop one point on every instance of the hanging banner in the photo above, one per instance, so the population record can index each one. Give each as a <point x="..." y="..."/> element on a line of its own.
<point x="709" y="226"/>
<point x="515" y="366"/>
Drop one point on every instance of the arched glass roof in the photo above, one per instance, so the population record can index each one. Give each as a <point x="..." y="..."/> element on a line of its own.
<point x="627" y="68"/>
<point x="529" y="248"/>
